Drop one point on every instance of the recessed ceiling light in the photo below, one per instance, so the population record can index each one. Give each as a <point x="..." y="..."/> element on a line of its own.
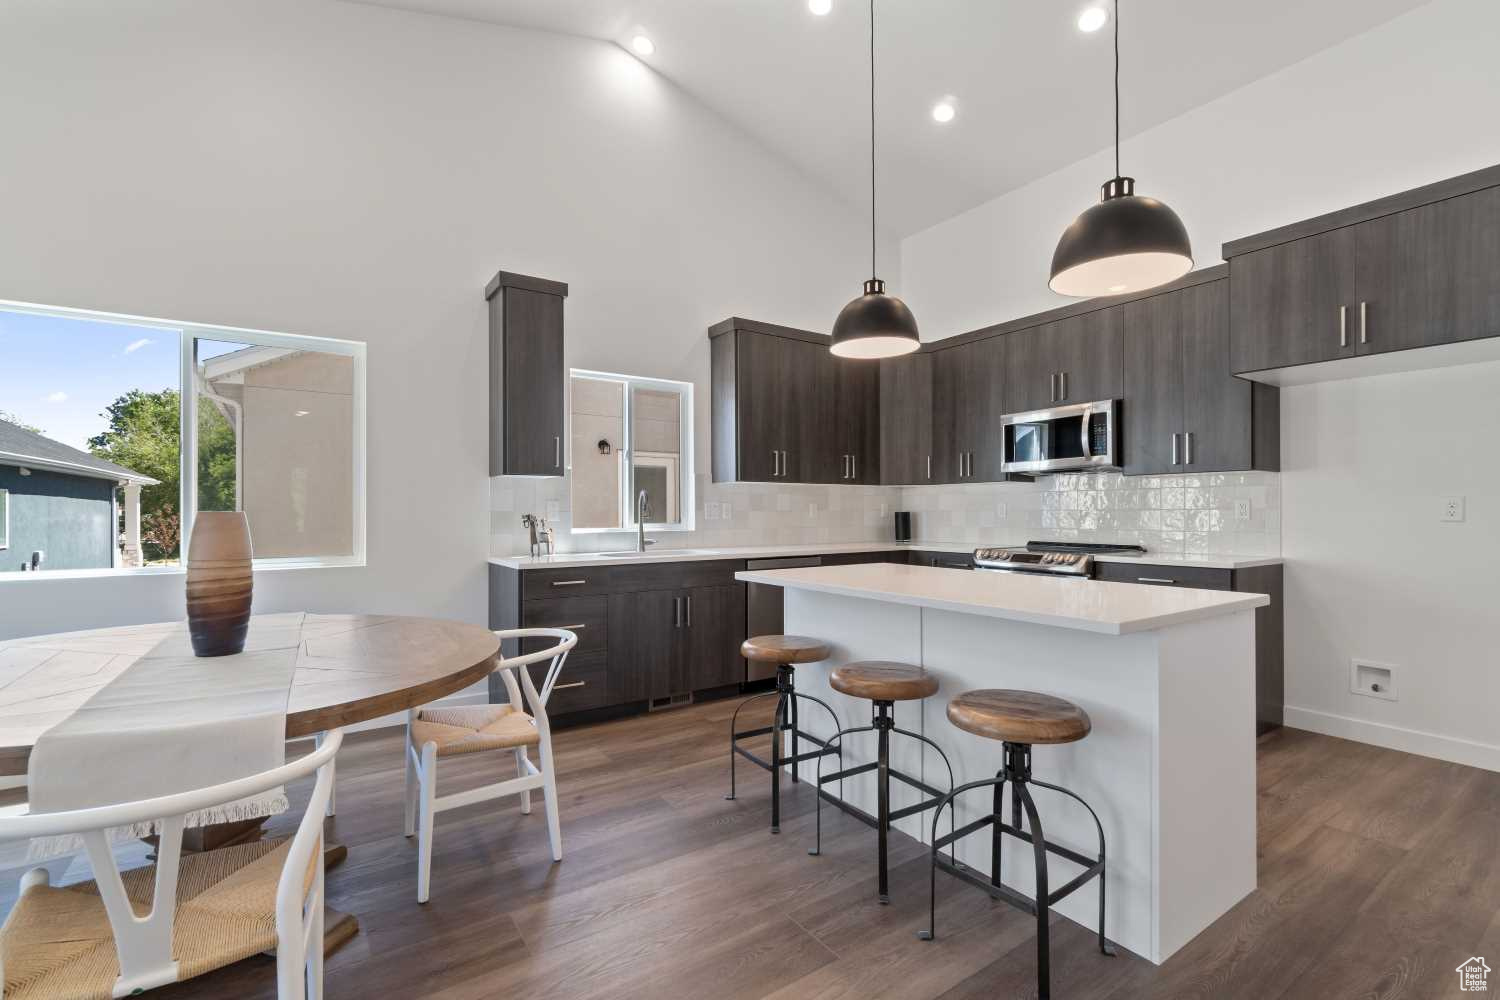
<point x="1092" y="18"/>
<point x="820" y="7"/>
<point x="943" y="111"/>
<point x="643" y="46"/>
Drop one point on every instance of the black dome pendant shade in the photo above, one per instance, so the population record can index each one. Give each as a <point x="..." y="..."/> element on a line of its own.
<point x="875" y="325"/>
<point x="1127" y="242"/>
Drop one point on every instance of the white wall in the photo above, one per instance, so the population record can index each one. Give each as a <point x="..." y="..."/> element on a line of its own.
<point x="1410" y="102"/>
<point x="342" y="170"/>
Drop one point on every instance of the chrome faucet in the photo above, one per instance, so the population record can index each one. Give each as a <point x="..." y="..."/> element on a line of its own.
<point x="642" y="509"/>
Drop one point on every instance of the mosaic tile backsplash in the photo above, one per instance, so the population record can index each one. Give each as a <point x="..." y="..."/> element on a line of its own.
<point x="1192" y="514"/>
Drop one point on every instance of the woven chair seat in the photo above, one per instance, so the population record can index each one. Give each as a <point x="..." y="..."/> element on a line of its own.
<point x="473" y="729"/>
<point x="57" y="943"/>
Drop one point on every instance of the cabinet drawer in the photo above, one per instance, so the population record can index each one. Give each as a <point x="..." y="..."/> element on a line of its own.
<point x="587" y="616"/>
<point x="538" y="584"/>
<point x="583" y="683"/>
<point x="861" y="558"/>
<point x="1197" y="577"/>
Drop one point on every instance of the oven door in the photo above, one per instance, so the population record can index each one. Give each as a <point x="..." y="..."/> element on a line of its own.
<point x="1080" y="436"/>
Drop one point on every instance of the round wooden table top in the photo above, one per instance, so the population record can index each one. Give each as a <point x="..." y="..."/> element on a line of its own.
<point x="350" y="668"/>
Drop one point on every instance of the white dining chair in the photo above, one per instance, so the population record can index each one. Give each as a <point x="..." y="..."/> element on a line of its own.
<point x="435" y="732"/>
<point x="130" y="931"/>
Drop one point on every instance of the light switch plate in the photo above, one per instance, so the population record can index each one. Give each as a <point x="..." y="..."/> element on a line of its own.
<point x="726" y="510"/>
<point x="1002" y="510"/>
<point x="1452" y="510"/>
<point x="711" y="510"/>
<point x="1242" y="510"/>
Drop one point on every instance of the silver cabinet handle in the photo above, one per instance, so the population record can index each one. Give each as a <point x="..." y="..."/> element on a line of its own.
<point x="1154" y="579"/>
<point x="1343" y="326"/>
<point x="688" y="602"/>
<point x="1364" y="322"/>
<point x="557" y="453"/>
<point x="1187" y="448"/>
<point x="677" y="612"/>
<point x="775" y="463"/>
<point x="929" y="466"/>
<point x="1052" y="386"/>
<point x="1174" y="448"/>
<point x="853" y="467"/>
<point x="568" y="583"/>
<point x="783" y="464"/>
<point x="572" y="628"/>
<point x="573" y="684"/>
<point x="1062" y="380"/>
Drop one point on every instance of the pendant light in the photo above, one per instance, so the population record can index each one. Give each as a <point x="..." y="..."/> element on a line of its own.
<point x="1127" y="242"/>
<point x="875" y="325"/>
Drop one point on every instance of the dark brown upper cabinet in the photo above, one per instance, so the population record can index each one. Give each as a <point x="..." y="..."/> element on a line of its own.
<point x="1183" y="410"/>
<point x="528" y="379"/>
<point x="968" y="393"/>
<point x="1075" y="359"/>
<point x="1416" y="269"/>
<point x="787" y="410"/>
<point x="906" y="420"/>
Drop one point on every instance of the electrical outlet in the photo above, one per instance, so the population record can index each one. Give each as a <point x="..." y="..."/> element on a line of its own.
<point x="1242" y="510"/>
<point x="554" y="510"/>
<point x="726" y="510"/>
<point x="1453" y="509"/>
<point x="1002" y="510"/>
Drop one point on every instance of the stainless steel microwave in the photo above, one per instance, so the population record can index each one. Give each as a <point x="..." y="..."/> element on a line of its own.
<point x="1064" y="438"/>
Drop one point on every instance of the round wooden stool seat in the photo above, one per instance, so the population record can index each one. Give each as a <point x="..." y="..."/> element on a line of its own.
<point x="784" y="649"/>
<point x="883" y="680"/>
<point x="1019" y="716"/>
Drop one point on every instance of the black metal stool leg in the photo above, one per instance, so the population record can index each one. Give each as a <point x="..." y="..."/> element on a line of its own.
<point x="795" y="724"/>
<point x="1039" y="848"/>
<point x="733" y="733"/>
<point x="777" y="727"/>
<point x="883" y="779"/>
<point x="1104" y="946"/>
<point x="998" y="838"/>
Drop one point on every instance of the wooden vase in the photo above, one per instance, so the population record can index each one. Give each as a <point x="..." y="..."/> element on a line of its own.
<point x="219" y="583"/>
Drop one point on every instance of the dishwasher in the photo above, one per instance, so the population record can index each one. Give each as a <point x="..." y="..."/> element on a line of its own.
<point x="764" y="609"/>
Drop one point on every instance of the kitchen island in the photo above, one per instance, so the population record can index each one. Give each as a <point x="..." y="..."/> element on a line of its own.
<point x="1167" y="676"/>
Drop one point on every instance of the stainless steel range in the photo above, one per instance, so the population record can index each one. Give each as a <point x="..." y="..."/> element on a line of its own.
<point x="1065" y="559"/>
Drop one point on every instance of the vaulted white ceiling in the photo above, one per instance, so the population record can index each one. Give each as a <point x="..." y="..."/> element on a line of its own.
<point x="1033" y="92"/>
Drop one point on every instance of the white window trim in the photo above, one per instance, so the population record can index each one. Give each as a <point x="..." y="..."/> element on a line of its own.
<point x="4" y="519"/>
<point x="687" y="497"/>
<point x="187" y="333"/>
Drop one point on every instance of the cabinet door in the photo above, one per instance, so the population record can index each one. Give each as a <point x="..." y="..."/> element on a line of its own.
<point x="948" y="388"/>
<point x="1085" y="353"/>
<point x="811" y="448"/>
<point x="713" y="628"/>
<point x="857" y="420"/>
<point x="655" y="633"/>
<point x="906" y="419"/>
<point x="1153" y="372"/>
<point x="533" y="408"/>
<point x="772" y="386"/>
<point x="1285" y="301"/>
<point x="1217" y="409"/>
<point x="1429" y="275"/>
<point x="1030" y="378"/>
<point x="984" y="404"/>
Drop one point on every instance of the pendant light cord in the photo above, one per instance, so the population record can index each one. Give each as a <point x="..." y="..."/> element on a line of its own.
<point x="1117" y="87"/>
<point x="872" y="139"/>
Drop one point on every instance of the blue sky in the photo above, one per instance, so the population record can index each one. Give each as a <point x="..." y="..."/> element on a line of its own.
<point x="60" y="373"/>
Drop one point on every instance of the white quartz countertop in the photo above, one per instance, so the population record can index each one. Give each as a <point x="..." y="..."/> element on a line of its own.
<point x="1087" y="605"/>
<point x="834" y="548"/>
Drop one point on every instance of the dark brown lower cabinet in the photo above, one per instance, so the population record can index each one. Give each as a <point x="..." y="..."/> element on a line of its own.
<point x="645" y="632"/>
<point x="1270" y="683"/>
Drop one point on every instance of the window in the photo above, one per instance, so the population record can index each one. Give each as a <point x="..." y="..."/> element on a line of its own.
<point x="4" y="519"/>
<point x="106" y="459"/>
<point x="629" y="436"/>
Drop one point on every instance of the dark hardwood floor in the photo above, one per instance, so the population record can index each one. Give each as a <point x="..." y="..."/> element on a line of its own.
<point x="1380" y="872"/>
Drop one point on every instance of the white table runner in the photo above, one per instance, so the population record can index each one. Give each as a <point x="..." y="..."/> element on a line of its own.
<point x="174" y="722"/>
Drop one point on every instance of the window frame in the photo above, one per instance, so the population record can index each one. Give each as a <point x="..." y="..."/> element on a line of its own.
<point x="686" y="495"/>
<point x="187" y="336"/>
<point x="4" y="519"/>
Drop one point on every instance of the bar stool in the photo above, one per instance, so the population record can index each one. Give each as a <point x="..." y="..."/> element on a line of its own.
<point x="1019" y="719"/>
<point x="785" y="651"/>
<point x="884" y="683"/>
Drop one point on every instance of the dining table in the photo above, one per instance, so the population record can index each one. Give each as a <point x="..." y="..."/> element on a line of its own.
<point x="350" y="668"/>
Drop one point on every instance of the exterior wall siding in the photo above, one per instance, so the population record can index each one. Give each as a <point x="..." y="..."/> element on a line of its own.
<point x="69" y="518"/>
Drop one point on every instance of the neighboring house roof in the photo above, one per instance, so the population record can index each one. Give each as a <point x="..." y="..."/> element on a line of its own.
<point x="231" y="367"/>
<point x="19" y="446"/>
